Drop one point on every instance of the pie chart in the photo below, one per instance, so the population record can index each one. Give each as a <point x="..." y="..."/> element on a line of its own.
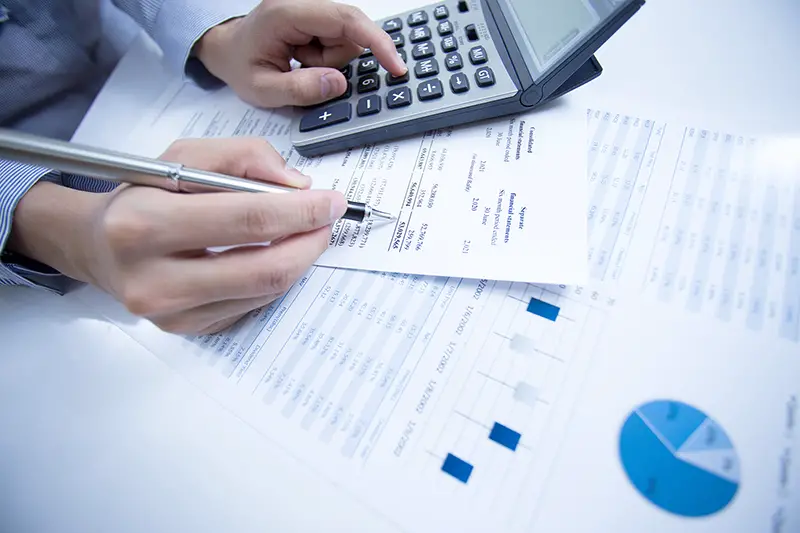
<point x="679" y="459"/>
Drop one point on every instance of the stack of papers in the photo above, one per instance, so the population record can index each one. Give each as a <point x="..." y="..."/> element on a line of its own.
<point x="504" y="199"/>
<point x="460" y="380"/>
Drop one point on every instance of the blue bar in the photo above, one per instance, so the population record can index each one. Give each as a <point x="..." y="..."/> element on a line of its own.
<point x="505" y="436"/>
<point x="461" y="470"/>
<point x="543" y="309"/>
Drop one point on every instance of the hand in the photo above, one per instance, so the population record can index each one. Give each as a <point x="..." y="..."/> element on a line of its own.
<point x="252" y="54"/>
<point x="148" y="247"/>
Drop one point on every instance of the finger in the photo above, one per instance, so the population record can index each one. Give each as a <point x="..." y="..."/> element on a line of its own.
<point x="253" y="272"/>
<point x="246" y="157"/>
<point x="211" y="220"/>
<point x="333" y="20"/>
<point x="215" y="316"/>
<point x="299" y="87"/>
<point x="334" y="53"/>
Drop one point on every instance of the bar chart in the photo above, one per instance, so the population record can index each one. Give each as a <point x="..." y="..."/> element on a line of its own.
<point x="494" y="434"/>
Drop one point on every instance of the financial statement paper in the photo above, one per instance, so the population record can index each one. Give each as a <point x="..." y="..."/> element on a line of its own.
<point x="451" y="404"/>
<point x="503" y="199"/>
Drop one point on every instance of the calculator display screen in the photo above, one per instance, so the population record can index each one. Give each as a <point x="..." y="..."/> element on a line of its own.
<point x="554" y="28"/>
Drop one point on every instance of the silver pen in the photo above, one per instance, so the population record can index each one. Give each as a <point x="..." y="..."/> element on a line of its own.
<point x="125" y="168"/>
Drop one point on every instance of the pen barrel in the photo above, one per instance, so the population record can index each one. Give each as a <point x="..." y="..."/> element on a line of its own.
<point x="73" y="158"/>
<point x="198" y="181"/>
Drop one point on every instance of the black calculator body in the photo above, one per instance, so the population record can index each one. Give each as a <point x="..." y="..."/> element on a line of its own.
<point x="468" y="60"/>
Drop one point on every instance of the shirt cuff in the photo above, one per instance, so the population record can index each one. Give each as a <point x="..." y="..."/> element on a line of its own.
<point x="181" y="23"/>
<point x="16" y="180"/>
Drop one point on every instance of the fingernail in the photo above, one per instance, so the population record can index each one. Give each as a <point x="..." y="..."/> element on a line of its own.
<point x="338" y="207"/>
<point x="326" y="85"/>
<point x="301" y="179"/>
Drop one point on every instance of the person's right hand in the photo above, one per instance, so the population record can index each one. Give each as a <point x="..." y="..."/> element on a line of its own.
<point x="148" y="247"/>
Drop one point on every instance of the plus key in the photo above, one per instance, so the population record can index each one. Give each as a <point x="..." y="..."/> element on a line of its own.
<point x="321" y="118"/>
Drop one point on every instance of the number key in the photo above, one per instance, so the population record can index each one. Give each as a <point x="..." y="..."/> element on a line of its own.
<point x="391" y="79"/>
<point x="398" y="40"/>
<point x="445" y="28"/>
<point x="441" y="12"/>
<point x="393" y="25"/>
<point x="368" y="83"/>
<point x="367" y="66"/>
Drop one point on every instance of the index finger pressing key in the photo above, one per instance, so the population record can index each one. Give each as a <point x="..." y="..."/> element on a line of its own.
<point x="333" y="20"/>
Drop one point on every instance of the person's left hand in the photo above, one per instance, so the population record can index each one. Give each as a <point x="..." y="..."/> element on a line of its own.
<point x="252" y="54"/>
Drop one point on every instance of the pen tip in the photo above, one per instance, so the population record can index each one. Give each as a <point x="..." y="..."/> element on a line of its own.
<point x="383" y="215"/>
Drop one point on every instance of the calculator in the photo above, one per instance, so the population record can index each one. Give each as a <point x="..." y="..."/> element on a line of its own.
<point x="468" y="60"/>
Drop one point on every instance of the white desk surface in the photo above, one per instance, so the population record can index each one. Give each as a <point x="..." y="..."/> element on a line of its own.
<point x="99" y="435"/>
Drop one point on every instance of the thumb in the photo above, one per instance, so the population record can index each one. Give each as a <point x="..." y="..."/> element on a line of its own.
<point x="299" y="87"/>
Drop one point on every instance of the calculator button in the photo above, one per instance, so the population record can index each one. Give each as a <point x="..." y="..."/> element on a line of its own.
<point x="422" y="33"/>
<point x="403" y="55"/>
<point x="484" y="76"/>
<point x="391" y="79"/>
<point x="393" y="25"/>
<point x="459" y="83"/>
<point x="445" y="28"/>
<point x="478" y="55"/>
<point x="423" y="50"/>
<point x="426" y="68"/>
<point x="367" y="53"/>
<point x="417" y="18"/>
<point x="430" y="90"/>
<point x="441" y="12"/>
<point x="321" y="118"/>
<point x="369" y="105"/>
<point x="347" y="71"/>
<point x="367" y="66"/>
<point x="463" y="6"/>
<point x="453" y="61"/>
<point x="471" y="31"/>
<point x="368" y="83"/>
<point x="449" y="44"/>
<point x="398" y="97"/>
<point x="398" y="40"/>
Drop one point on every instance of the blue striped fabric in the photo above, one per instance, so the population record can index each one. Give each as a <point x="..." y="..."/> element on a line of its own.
<point x="51" y="69"/>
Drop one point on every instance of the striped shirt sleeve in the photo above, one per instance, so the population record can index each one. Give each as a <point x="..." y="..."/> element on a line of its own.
<point x="16" y="179"/>
<point x="176" y="25"/>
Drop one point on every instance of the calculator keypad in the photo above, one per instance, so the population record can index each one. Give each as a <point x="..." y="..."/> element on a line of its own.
<point x="431" y="43"/>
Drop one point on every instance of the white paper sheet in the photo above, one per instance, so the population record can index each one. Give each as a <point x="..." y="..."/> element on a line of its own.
<point x="504" y="199"/>
<point x="667" y="386"/>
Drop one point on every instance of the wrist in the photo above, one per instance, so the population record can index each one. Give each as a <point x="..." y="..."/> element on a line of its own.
<point x="212" y="48"/>
<point x="52" y="225"/>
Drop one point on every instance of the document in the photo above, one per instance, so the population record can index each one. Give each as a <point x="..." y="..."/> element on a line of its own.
<point x="504" y="199"/>
<point x="666" y="386"/>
